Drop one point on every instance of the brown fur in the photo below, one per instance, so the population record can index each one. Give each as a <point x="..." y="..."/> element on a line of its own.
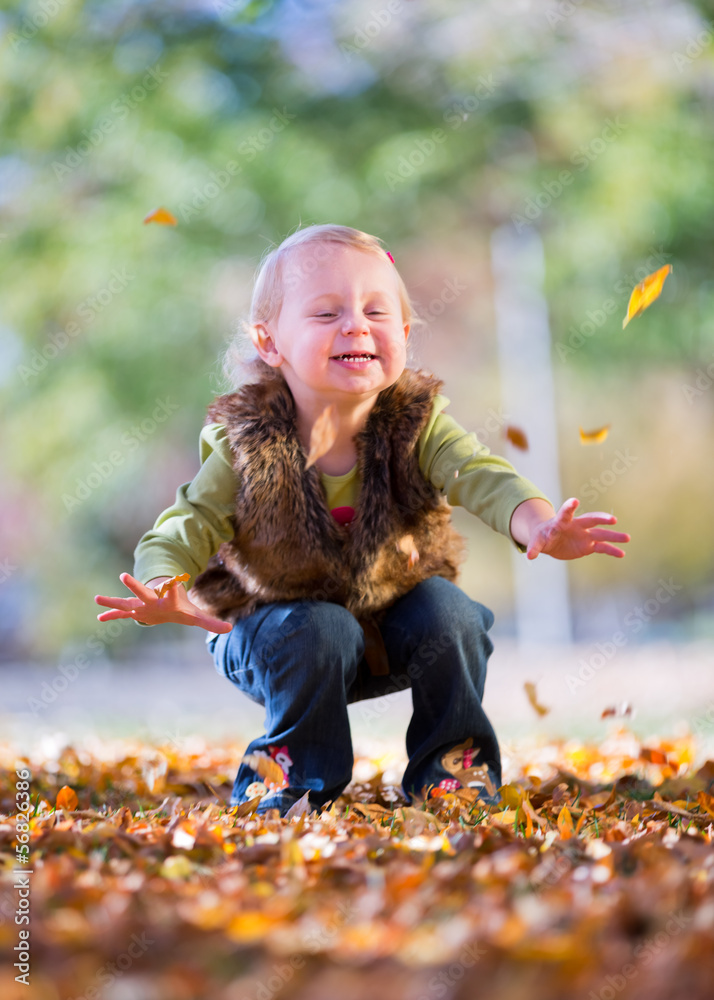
<point x="288" y="546"/>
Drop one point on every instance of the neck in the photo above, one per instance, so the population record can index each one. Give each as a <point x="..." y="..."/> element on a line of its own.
<point x="351" y="418"/>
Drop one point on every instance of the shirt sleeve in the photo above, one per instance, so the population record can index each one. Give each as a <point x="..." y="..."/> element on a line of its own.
<point x="188" y="533"/>
<point x="486" y="485"/>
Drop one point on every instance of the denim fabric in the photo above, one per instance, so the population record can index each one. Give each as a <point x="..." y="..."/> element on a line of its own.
<point x="304" y="662"/>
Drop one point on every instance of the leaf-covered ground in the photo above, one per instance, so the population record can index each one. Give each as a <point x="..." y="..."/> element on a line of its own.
<point x="592" y="878"/>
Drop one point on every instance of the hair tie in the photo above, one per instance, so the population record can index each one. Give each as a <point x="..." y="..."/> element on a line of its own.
<point x="389" y="255"/>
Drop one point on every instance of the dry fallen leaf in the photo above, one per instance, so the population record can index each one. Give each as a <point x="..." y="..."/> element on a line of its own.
<point x="644" y="294"/>
<point x="162" y="216"/>
<point x="613" y="710"/>
<point x="565" y="823"/>
<point x="594" y="437"/>
<point x="517" y="437"/>
<point x="407" y="546"/>
<point x="530" y="690"/>
<point x="67" y="799"/>
<point x="269" y="770"/>
<point x="322" y="435"/>
<point x="164" y="587"/>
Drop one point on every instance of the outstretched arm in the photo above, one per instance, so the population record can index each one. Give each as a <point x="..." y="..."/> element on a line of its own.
<point x="150" y="609"/>
<point x="563" y="535"/>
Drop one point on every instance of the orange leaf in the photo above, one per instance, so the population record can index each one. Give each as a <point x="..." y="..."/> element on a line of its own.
<point x="653" y="756"/>
<point x="530" y="690"/>
<point x="322" y="435"/>
<point x="267" y="768"/>
<point x="517" y="437"/>
<point x="164" y="587"/>
<point x="162" y="216"/>
<point x="67" y="799"/>
<point x="644" y="294"/>
<point x="706" y="802"/>
<point x="565" y="823"/>
<point x="407" y="546"/>
<point x="594" y="437"/>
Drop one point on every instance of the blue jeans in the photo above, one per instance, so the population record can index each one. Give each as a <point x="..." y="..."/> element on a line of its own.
<point x="304" y="662"/>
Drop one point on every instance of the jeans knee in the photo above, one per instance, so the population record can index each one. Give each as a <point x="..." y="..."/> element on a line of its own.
<point x="439" y="608"/>
<point x="321" y="630"/>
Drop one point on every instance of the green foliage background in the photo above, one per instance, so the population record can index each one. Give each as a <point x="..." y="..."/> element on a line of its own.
<point x="517" y="91"/>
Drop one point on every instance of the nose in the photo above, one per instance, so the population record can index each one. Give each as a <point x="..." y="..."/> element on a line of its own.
<point x="355" y="322"/>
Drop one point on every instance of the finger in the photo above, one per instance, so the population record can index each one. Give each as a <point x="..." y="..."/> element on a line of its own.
<point x="568" y="509"/>
<point x="212" y="624"/>
<point x="121" y="603"/>
<point x="590" y="519"/>
<point x="603" y="535"/>
<point x="608" y="550"/>
<point x="534" y="549"/>
<point x="108" y="616"/>
<point x="137" y="588"/>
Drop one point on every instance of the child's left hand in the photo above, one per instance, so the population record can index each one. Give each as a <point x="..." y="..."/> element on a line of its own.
<point x="565" y="536"/>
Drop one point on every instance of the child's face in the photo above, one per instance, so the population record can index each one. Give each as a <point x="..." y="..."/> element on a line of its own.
<point x="348" y="304"/>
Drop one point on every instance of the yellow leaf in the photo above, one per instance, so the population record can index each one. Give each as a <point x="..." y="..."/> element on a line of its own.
<point x="517" y="437"/>
<point x="644" y="294"/>
<point x="530" y="690"/>
<point x="565" y="823"/>
<point x="594" y="437"/>
<point x="322" y="435"/>
<point x="164" y="587"/>
<point x="66" y="799"/>
<point x="162" y="216"/>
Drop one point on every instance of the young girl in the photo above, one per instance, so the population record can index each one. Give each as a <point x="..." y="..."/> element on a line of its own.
<point x="321" y="583"/>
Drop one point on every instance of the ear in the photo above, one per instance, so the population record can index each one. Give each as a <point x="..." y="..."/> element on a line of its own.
<point x="265" y="345"/>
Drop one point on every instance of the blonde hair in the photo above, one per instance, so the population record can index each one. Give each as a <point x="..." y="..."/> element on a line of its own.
<point x="241" y="361"/>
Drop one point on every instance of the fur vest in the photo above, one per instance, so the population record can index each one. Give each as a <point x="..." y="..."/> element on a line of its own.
<point x="288" y="546"/>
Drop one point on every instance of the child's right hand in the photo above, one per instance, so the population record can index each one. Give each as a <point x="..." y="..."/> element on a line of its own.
<point x="150" y="609"/>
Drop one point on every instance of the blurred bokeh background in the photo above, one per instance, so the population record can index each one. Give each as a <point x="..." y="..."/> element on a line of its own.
<point x="577" y="136"/>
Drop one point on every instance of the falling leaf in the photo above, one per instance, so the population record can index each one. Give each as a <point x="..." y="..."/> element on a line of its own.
<point x="269" y="770"/>
<point x="654" y="756"/>
<point x="644" y="294"/>
<point x="407" y="546"/>
<point x="67" y="799"/>
<point x="164" y="587"/>
<point x="517" y="437"/>
<point x="162" y="216"/>
<point x="565" y="823"/>
<point x="594" y="437"/>
<point x="613" y="710"/>
<point x="323" y="434"/>
<point x="530" y="690"/>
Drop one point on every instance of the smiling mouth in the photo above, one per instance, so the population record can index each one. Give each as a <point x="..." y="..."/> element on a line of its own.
<point x="353" y="357"/>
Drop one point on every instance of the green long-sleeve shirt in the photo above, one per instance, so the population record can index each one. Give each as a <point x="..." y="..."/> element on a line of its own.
<point x="188" y="533"/>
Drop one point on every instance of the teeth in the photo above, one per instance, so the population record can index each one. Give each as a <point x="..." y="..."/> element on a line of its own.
<point x="354" y="357"/>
